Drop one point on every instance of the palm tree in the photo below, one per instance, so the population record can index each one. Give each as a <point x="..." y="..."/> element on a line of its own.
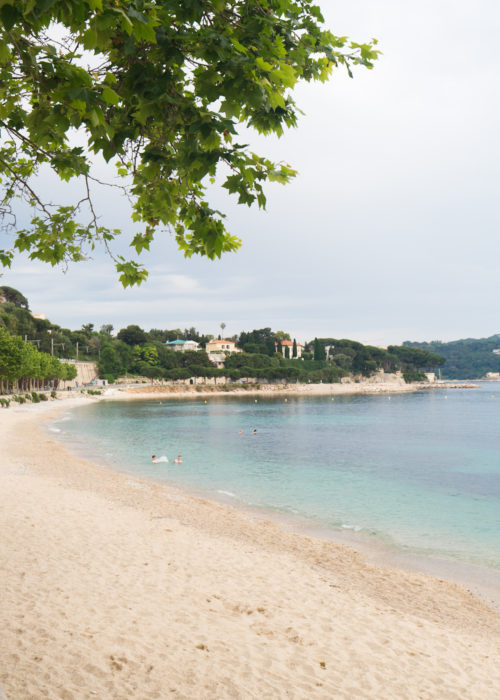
<point x="222" y="326"/>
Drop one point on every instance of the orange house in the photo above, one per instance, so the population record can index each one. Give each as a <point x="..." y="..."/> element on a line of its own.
<point x="289" y="344"/>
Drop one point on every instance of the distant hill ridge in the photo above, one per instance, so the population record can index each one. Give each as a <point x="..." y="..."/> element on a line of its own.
<point x="469" y="358"/>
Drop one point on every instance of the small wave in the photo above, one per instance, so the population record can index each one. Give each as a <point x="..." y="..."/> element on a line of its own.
<point x="55" y="430"/>
<point x="227" y="493"/>
<point x="354" y="528"/>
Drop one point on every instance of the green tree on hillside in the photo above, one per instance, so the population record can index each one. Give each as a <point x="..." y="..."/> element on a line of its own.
<point x="160" y="92"/>
<point x="469" y="358"/>
<point x="132" y="335"/>
<point x="110" y="365"/>
<point x="13" y="296"/>
<point x="88" y="329"/>
<point x="319" y="350"/>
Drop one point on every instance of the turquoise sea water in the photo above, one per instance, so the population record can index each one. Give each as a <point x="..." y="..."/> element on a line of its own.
<point x="419" y="472"/>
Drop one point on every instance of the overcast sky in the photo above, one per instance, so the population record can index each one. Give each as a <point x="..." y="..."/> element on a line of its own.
<point x="389" y="233"/>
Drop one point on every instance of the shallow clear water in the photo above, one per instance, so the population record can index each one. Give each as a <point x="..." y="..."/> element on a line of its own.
<point x="417" y="471"/>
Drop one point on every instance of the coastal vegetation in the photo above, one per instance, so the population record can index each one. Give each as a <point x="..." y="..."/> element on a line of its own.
<point x="158" y="90"/>
<point x="470" y="358"/>
<point x="24" y="368"/>
<point x="36" y="343"/>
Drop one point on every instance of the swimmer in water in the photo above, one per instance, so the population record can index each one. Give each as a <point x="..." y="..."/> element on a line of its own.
<point x="178" y="460"/>
<point x="255" y="431"/>
<point x="153" y="459"/>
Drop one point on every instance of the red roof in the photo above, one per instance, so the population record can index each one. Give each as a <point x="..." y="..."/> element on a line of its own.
<point x="289" y="342"/>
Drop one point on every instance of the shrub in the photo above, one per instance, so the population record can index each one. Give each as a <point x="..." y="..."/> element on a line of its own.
<point x="5" y="403"/>
<point x="413" y="375"/>
<point x="53" y="394"/>
<point x="43" y="397"/>
<point x="35" y="397"/>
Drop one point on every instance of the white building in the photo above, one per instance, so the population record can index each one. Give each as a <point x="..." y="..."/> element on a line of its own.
<point x="182" y="345"/>
<point x="218" y="349"/>
<point x="221" y="346"/>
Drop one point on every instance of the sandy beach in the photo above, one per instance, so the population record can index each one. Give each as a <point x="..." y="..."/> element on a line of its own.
<point x="115" y="588"/>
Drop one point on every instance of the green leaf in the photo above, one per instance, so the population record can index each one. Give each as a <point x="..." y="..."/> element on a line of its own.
<point x="130" y="273"/>
<point x="110" y="96"/>
<point x="6" y="257"/>
<point x="5" y="53"/>
<point x="263" y="64"/>
<point x="285" y="75"/>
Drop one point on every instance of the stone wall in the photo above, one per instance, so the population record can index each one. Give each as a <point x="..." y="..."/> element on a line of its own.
<point x="87" y="372"/>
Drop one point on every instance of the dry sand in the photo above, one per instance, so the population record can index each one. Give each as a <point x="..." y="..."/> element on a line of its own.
<point x="115" y="588"/>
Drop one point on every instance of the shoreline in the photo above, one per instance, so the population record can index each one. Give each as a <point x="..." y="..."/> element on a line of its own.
<point x="478" y="579"/>
<point x="245" y="607"/>
<point x="132" y="391"/>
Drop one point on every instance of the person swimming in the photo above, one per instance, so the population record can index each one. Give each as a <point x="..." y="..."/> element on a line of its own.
<point x="156" y="459"/>
<point x="178" y="460"/>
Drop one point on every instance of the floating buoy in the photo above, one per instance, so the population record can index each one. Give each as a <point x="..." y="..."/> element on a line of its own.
<point x="333" y="399"/>
<point x="256" y="401"/>
<point x="286" y="400"/>
<point x="205" y="401"/>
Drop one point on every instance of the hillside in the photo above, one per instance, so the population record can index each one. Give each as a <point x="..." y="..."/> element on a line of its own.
<point x="258" y="353"/>
<point x="470" y="358"/>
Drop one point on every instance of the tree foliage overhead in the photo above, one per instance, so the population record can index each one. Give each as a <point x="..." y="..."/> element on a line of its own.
<point x="159" y="88"/>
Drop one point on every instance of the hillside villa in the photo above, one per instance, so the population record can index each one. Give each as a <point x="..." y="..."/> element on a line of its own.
<point x="289" y="344"/>
<point x="221" y="346"/>
<point x="182" y="345"/>
<point x="218" y="349"/>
